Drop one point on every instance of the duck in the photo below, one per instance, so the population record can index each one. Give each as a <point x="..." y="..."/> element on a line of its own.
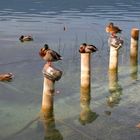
<point x="85" y="48"/>
<point x="49" y="55"/>
<point x="113" y="30"/>
<point x="25" y="38"/>
<point x="6" y="76"/>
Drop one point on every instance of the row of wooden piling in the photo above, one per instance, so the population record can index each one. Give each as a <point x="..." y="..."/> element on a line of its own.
<point x="49" y="88"/>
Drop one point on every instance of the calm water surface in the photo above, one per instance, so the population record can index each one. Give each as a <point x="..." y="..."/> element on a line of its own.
<point x="85" y="21"/>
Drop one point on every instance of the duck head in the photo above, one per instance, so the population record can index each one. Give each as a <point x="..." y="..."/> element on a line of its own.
<point x="46" y="46"/>
<point x="21" y="37"/>
<point x="82" y="48"/>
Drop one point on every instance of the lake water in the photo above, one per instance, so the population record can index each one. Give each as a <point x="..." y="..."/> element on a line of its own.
<point x="84" y="21"/>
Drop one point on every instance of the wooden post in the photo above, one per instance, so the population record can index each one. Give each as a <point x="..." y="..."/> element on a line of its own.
<point x="85" y="72"/>
<point x="47" y="116"/>
<point x="48" y="92"/>
<point x="113" y="60"/>
<point x="134" y="52"/>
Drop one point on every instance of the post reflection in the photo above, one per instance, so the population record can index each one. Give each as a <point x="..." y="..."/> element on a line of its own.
<point x="134" y="68"/>
<point x="86" y="115"/>
<point x="115" y="89"/>
<point x="48" y="120"/>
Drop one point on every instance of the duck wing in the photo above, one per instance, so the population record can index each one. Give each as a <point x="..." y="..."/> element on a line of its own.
<point x="90" y="49"/>
<point x="55" y="56"/>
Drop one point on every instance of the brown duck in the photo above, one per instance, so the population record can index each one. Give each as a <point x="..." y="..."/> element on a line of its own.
<point x="25" y="38"/>
<point x="49" y="55"/>
<point x="6" y="76"/>
<point x="84" y="48"/>
<point x="110" y="28"/>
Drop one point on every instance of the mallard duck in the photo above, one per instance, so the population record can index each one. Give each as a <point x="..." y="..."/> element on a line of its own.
<point x="25" y="38"/>
<point x="6" y="76"/>
<point x="110" y="28"/>
<point x="85" y="48"/>
<point x="49" y="55"/>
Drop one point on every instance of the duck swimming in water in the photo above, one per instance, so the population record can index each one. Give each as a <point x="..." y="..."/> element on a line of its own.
<point x="85" y="48"/>
<point x="113" y="30"/>
<point x="49" y="55"/>
<point x="6" y="76"/>
<point x="25" y="38"/>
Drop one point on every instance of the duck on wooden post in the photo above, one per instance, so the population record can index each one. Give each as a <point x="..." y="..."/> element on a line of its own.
<point x="24" y="38"/>
<point x="112" y="29"/>
<point x="115" y="43"/>
<point x="86" y="51"/>
<point x="6" y="76"/>
<point x="49" y="55"/>
<point x="51" y="74"/>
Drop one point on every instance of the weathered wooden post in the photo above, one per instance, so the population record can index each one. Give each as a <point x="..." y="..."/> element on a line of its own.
<point x="113" y="59"/>
<point x="48" y="93"/>
<point x="51" y="75"/>
<point x="48" y="119"/>
<point x="134" y="52"/>
<point x="86" y="51"/>
<point x="85" y="72"/>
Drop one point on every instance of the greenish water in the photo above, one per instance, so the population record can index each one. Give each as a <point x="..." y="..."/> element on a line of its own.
<point x="20" y="99"/>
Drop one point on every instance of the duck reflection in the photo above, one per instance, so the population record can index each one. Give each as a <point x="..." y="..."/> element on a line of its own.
<point x="134" y="68"/>
<point x="115" y="89"/>
<point x="86" y="114"/>
<point x="48" y="119"/>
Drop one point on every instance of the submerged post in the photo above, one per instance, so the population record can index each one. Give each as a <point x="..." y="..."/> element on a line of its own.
<point x="48" y="119"/>
<point x="114" y="89"/>
<point x="86" y="115"/>
<point x="134" y="52"/>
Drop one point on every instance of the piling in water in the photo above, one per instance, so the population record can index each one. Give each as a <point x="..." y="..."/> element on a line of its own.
<point x="48" y="119"/>
<point x="51" y="74"/>
<point x="48" y="92"/>
<point x="85" y="72"/>
<point x="113" y="59"/>
<point x="134" y="52"/>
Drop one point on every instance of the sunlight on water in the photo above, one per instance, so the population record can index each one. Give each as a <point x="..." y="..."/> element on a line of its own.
<point x="111" y="110"/>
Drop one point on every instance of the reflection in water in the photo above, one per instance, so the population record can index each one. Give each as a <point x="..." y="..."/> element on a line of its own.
<point x="86" y="115"/>
<point x="114" y="89"/>
<point x="48" y="119"/>
<point x="134" y="68"/>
